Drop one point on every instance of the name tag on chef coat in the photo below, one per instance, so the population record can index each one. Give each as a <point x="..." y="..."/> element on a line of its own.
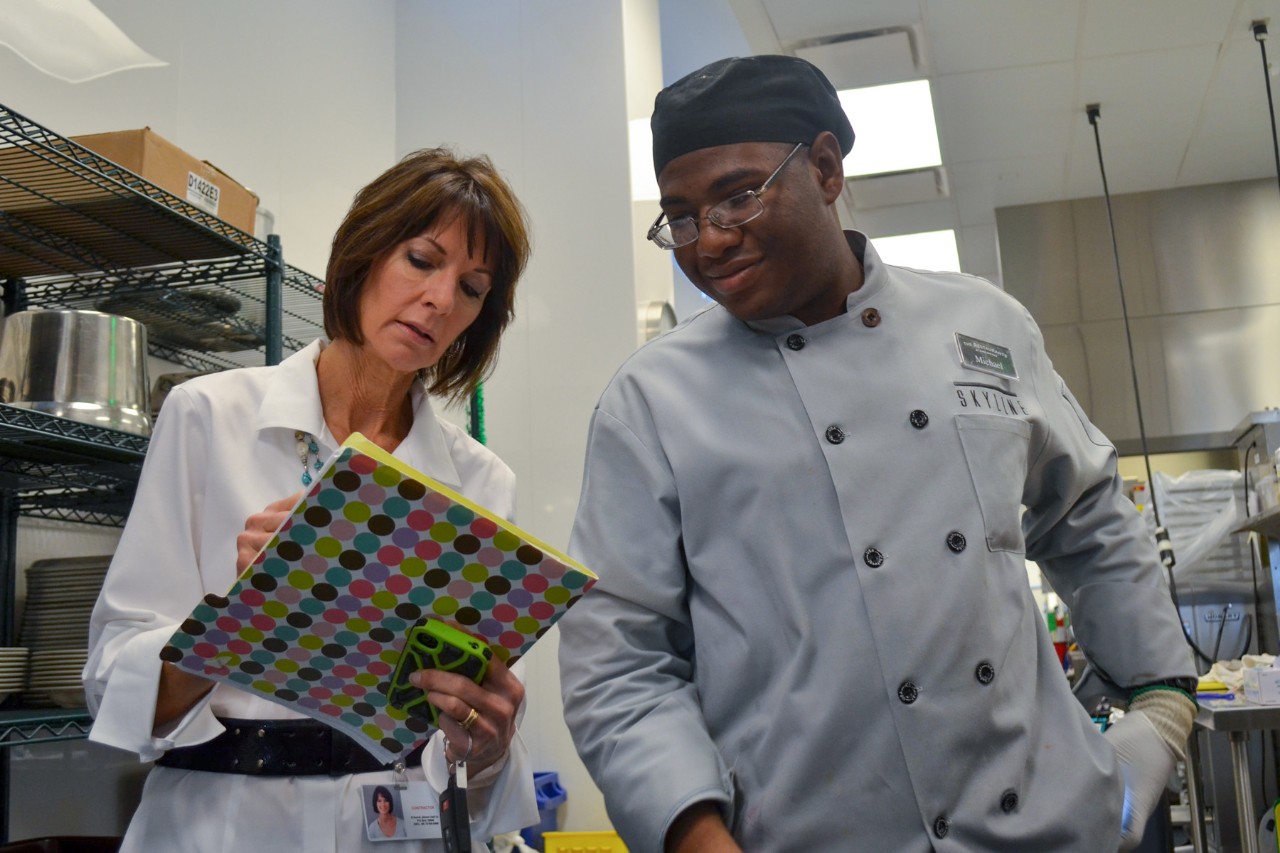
<point x="414" y="806"/>
<point x="985" y="356"/>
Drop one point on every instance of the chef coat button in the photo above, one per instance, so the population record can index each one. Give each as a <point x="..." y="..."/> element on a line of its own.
<point x="873" y="558"/>
<point x="985" y="673"/>
<point x="835" y="435"/>
<point x="1008" y="801"/>
<point x="919" y="419"/>
<point x="941" y="827"/>
<point x="956" y="541"/>
<point x="908" y="692"/>
<point x="796" y="342"/>
<point x="871" y="318"/>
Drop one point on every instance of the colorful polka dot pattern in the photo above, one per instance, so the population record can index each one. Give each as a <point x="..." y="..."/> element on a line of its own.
<point x="320" y="619"/>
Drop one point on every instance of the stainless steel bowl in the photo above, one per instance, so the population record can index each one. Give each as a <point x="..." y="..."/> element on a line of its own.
<point x="83" y="365"/>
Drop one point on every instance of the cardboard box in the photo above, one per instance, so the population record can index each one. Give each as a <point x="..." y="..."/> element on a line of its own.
<point x="164" y="164"/>
<point x="1262" y="685"/>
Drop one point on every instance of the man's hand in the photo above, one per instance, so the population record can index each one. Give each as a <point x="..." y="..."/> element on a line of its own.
<point x="1149" y="740"/>
<point x="699" y="829"/>
<point x="1146" y="762"/>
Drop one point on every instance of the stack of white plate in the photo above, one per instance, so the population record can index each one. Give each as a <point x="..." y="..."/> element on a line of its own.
<point x="13" y="670"/>
<point x="55" y="678"/>
<point x="55" y="627"/>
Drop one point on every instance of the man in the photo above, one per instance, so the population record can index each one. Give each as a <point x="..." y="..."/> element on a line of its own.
<point x="813" y="628"/>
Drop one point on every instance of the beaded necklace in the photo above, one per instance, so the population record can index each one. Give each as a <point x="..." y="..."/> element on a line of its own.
<point x="306" y="447"/>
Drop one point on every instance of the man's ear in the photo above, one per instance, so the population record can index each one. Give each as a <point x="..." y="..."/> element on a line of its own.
<point x="825" y="155"/>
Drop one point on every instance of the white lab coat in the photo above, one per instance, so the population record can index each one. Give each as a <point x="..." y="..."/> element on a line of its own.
<point x="813" y="607"/>
<point x="223" y="448"/>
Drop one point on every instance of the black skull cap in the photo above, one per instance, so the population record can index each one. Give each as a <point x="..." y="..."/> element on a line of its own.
<point x="769" y="98"/>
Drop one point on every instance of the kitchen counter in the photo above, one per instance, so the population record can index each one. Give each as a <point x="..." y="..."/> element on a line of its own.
<point x="1236" y="718"/>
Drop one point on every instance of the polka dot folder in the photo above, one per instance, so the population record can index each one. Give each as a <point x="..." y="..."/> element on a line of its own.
<point x="318" y="621"/>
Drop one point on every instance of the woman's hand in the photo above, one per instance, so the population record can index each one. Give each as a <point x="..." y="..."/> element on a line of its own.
<point x="259" y="528"/>
<point x="496" y="701"/>
<point x="179" y="689"/>
<point x="179" y="692"/>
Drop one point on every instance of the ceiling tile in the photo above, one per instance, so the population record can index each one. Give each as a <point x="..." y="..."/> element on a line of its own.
<point x="991" y="115"/>
<point x="1148" y="115"/>
<point x="984" y="34"/>
<point x="907" y="187"/>
<point x="1232" y="139"/>
<point x="795" y="20"/>
<point x="1147" y="98"/>
<point x="1257" y="10"/>
<point x="983" y="186"/>
<point x="1130" y="168"/>
<point x="907" y="218"/>
<point x="1225" y="155"/>
<point x="888" y="57"/>
<point x="1130" y="26"/>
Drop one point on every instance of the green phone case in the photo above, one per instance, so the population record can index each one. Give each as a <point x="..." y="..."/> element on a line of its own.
<point x="432" y="644"/>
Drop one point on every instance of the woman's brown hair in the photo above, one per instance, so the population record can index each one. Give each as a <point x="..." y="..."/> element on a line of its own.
<point x="426" y="188"/>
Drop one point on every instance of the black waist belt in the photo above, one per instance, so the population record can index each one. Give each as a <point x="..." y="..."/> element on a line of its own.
<point x="279" y="748"/>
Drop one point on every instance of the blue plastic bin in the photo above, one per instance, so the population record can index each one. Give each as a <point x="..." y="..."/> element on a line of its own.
<point x="546" y="786"/>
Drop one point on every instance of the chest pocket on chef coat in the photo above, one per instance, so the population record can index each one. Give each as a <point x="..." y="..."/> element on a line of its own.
<point x="995" y="448"/>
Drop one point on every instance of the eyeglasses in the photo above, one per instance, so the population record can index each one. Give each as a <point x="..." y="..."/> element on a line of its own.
<point x="731" y="213"/>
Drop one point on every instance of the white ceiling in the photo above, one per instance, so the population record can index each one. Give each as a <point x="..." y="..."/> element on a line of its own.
<point x="1179" y="82"/>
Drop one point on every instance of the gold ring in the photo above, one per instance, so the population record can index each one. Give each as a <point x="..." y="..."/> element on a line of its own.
<point x="470" y="720"/>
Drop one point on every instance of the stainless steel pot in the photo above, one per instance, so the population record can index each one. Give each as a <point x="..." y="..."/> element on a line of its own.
<point x="83" y="365"/>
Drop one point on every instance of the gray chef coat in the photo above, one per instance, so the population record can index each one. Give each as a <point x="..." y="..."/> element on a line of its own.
<point x="813" y="606"/>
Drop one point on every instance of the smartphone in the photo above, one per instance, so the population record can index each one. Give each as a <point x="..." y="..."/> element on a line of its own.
<point x="431" y="644"/>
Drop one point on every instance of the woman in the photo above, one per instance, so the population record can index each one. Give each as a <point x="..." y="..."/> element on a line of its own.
<point x="419" y="287"/>
<point x="385" y="825"/>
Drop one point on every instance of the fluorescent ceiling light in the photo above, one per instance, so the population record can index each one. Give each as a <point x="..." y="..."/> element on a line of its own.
<point x="644" y="184"/>
<point x="928" y="250"/>
<point x="894" y="128"/>
<point x="69" y="39"/>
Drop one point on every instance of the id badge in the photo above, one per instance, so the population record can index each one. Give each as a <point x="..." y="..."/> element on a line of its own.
<point x="406" y="811"/>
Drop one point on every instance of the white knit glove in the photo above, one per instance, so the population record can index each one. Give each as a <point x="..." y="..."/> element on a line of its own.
<point x="1149" y="741"/>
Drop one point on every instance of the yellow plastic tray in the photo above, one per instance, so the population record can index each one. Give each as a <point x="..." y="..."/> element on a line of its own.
<point x="582" y="842"/>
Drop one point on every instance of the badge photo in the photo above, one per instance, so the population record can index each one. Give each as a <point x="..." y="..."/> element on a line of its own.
<point x="400" y="812"/>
